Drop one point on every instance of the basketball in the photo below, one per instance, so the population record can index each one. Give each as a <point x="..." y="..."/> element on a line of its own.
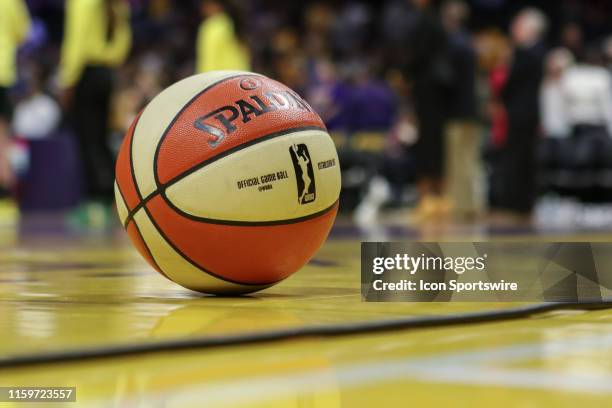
<point x="227" y="182"/>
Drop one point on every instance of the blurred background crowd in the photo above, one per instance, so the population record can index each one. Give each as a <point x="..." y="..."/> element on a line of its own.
<point x="459" y="110"/>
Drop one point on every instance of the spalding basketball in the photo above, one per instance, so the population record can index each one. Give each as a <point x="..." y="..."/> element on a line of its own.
<point x="227" y="182"/>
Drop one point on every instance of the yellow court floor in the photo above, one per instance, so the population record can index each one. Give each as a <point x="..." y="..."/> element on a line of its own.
<point x="86" y="311"/>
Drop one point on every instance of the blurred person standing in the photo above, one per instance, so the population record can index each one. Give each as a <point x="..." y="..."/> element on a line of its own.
<point x="14" y="27"/>
<point x="555" y="128"/>
<point x="221" y="44"/>
<point x="97" y="39"/>
<point x="586" y="89"/>
<point x="494" y="50"/>
<point x="430" y="72"/>
<point x="552" y="104"/>
<point x="587" y="92"/>
<point x="464" y="178"/>
<point x="520" y="97"/>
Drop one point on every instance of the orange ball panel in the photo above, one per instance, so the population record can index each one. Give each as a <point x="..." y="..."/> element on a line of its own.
<point x="243" y="254"/>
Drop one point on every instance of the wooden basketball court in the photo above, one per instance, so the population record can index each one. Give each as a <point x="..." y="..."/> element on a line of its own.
<point x="87" y="311"/>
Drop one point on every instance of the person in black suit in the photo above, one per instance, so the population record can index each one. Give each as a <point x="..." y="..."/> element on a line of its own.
<point x="520" y="97"/>
<point x="464" y="179"/>
<point x="429" y="71"/>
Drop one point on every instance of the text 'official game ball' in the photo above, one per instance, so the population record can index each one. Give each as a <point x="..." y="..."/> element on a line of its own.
<point x="227" y="182"/>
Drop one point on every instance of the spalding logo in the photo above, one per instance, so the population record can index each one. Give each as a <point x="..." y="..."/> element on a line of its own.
<point x="221" y="122"/>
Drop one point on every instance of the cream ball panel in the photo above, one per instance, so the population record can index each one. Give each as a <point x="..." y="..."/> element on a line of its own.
<point x="122" y="210"/>
<point x="258" y="183"/>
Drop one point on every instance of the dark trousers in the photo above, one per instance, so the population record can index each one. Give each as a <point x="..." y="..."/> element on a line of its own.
<point x="429" y="148"/>
<point x="518" y="170"/>
<point x="5" y="116"/>
<point x="90" y="119"/>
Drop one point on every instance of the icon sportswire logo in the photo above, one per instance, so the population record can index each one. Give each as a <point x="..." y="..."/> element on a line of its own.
<point x="304" y="173"/>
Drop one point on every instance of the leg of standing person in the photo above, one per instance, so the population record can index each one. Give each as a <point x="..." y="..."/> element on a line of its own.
<point x="430" y="154"/>
<point x="464" y="169"/>
<point x="90" y="119"/>
<point x="526" y="183"/>
<point x="5" y="169"/>
<point x="519" y="169"/>
<point x="9" y="213"/>
<point x="5" y="118"/>
<point x="104" y="171"/>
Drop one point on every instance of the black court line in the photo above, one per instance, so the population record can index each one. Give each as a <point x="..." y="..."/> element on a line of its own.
<point x="317" y="331"/>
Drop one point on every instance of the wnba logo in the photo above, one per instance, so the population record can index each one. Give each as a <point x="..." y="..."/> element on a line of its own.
<point x="304" y="173"/>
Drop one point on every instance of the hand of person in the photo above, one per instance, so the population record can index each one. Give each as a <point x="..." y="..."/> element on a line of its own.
<point x="65" y="98"/>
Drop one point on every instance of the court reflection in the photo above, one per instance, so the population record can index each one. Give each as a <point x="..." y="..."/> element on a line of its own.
<point x="506" y="364"/>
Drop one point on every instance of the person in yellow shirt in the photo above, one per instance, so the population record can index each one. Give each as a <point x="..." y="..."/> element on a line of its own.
<point x="14" y="27"/>
<point x="220" y="42"/>
<point x="97" y="39"/>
